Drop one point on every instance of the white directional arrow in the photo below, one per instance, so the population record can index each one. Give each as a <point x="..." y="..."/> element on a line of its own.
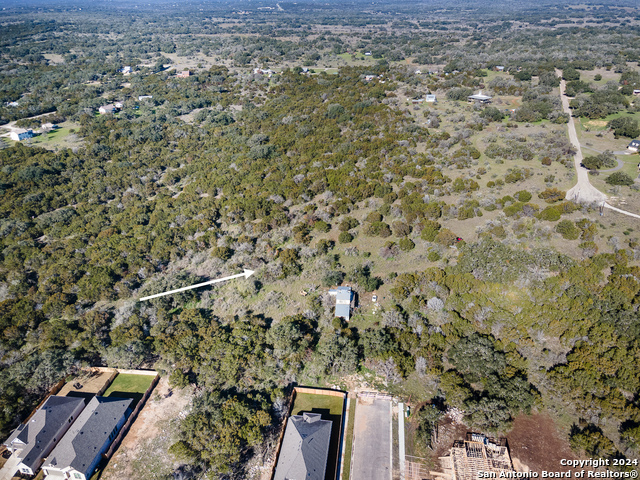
<point x="246" y="274"/>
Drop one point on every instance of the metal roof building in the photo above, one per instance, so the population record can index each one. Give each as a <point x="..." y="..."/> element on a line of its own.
<point x="305" y="448"/>
<point x="344" y="296"/>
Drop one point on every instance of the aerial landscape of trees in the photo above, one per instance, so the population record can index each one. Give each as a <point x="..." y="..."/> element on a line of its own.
<point x="497" y="296"/>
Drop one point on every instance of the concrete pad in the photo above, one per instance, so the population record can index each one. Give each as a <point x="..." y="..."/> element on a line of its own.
<point x="372" y="440"/>
<point x="9" y="468"/>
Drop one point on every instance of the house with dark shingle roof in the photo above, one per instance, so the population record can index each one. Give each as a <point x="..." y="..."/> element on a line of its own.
<point x="34" y="439"/>
<point x="80" y="450"/>
<point x="305" y="448"/>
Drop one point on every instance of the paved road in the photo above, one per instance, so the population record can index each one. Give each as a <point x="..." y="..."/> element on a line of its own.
<point x="372" y="440"/>
<point x="620" y="162"/>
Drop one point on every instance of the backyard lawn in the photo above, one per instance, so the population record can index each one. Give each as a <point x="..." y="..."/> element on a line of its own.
<point x="129" y="386"/>
<point x="307" y="402"/>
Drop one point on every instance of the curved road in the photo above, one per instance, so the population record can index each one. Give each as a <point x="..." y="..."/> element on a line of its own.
<point x="583" y="191"/>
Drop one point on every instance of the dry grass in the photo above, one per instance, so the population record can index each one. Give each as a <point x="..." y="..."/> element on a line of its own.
<point x="143" y="452"/>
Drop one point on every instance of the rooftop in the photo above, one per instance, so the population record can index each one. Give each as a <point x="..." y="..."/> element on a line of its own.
<point x="42" y="428"/>
<point x="305" y="448"/>
<point x="80" y="445"/>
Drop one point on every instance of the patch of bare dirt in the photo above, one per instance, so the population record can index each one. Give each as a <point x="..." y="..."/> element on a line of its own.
<point x="143" y="452"/>
<point x="536" y="443"/>
<point x="89" y="382"/>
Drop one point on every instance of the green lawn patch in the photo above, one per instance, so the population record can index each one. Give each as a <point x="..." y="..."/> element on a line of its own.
<point x="307" y="402"/>
<point x="128" y="385"/>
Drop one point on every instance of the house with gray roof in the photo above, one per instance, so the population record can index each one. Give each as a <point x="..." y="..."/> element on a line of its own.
<point x="33" y="440"/>
<point x="111" y="108"/>
<point x="80" y="450"/>
<point x="19" y="134"/>
<point x="344" y="297"/>
<point x="479" y="98"/>
<point x="305" y="448"/>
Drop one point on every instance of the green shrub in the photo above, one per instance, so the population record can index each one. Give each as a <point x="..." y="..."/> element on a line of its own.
<point x="374" y="217"/>
<point x="552" y="195"/>
<point x="551" y="214"/>
<point x="446" y="237"/>
<point x="499" y="231"/>
<point x="433" y="256"/>
<point x="511" y="210"/>
<point x="568" y="230"/>
<point x="401" y="229"/>
<point x="223" y="253"/>
<point x="347" y="224"/>
<point x="523" y="196"/>
<point x="345" y="237"/>
<point x="619" y="178"/>
<point x="322" y="226"/>
<point x="406" y="244"/>
<point x="379" y="229"/>
<point x="430" y="230"/>
<point x="332" y="278"/>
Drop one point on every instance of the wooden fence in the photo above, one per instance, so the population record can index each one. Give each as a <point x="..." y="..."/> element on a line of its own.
<point x="152" y="373"/>
<point x="320" y="391"/>
<point x="113" y="375"/>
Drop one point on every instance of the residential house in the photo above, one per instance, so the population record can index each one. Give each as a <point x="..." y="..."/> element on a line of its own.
<point x="111" y="108"/>
<point x="344" y="298"/>
<point x="430" y="98"/>
<point x="144" y="97"/>
<point x="118" y="105"/>
<point x="636" y="92"/>
<point x="184" y="74"/>
<point x="35" y="439"/>
<point x="368" y="78"/>
<point x="20" y="134"/>
<point x="126" y="70"/>
<point x="48" y="126"/>
<point x="634" y="146"/>
<point x="479" y="98"/>
<point x="78" y="453"/>
<point x="305" y="448"/>
<point x="13" y="104"/>
<point x="499" y="68"/>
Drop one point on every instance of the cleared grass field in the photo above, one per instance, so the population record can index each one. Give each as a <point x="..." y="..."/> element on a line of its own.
<point x="128" y="385"/>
